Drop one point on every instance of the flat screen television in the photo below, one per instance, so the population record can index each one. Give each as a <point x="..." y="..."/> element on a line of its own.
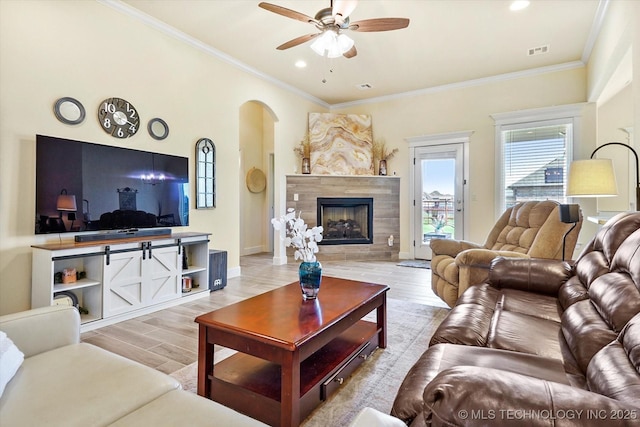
<point x="81" y="186"/>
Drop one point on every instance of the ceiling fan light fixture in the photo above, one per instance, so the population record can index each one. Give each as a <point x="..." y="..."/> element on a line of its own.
<point x="330" y="21"/>
<point x="345" y="42"/>
<point x="324" y="42"/>
<point x="332" y="44"/>
<point x="519" y="5"/>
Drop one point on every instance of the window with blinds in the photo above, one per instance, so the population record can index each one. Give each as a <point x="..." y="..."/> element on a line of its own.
<point x="534" y="162"/>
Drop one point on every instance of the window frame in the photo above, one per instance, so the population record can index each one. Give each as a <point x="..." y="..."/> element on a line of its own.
<point x="540" y="117"/>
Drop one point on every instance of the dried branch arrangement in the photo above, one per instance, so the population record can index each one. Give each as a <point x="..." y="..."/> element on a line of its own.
<point x="380" y="151"/>
<point x="303" y="149"/>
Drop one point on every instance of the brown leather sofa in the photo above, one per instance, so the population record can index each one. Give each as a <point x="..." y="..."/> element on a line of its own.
<point x="544" y="342"/>
<point x="530" y="229"/>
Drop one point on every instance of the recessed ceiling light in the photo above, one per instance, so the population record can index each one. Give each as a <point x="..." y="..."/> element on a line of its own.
<point x="519" y="5"/>
<point x="301" y="64"/>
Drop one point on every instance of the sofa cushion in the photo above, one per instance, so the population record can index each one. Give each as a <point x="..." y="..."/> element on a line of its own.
<point x="468" y="395"/>
<point x="10" y="360"/>
<point x="526" y="334"/>
<point x="615" y="370"/>
<point x="409" y="401"/>
<point x="48" y="328"/>
<point x="181" y="408"/>
<point x="524" y="224"/>
<point x="543" y="276"/>
<point x="571" y="292"/>
<point x="490" y="317"/>
<point x="79" y="385"/>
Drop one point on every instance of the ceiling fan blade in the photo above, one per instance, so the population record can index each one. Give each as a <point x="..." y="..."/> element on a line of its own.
<point x="297" y="41"/>
<point x="350" y="53"/>
<point x="287" y="12"/>
<point x="343" y="8"/>
<point x="379" y="24"/>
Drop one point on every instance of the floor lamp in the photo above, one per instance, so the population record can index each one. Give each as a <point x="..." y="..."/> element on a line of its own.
<point x="569" y="214"/>
<point x="595" y="177"/>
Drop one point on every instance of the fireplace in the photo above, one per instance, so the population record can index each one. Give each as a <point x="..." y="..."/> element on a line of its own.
<point x="346" y="220"/>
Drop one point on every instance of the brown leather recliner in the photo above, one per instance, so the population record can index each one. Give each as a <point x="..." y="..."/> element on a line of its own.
<point x="529" y="229"/>
<point x="544" y="342"/>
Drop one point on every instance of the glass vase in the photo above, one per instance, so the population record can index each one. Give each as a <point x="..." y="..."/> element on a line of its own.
<point x="382" y="168"/>
<point x="310" y="277"/>
<point x="306" y="165"/>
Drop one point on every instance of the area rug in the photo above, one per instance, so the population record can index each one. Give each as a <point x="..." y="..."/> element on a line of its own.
<point x="376" y="382"/>
<point x="415" y="263"/>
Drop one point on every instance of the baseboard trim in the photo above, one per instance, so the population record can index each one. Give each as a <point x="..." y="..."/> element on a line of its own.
<point x="234" y="272"/>
<point x="279" y="260"/>
<point x="252" y="250"/>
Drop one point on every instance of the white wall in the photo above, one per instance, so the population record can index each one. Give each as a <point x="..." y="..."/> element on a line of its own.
<point x="83" y="49"/>
<point x="617" y="113"/>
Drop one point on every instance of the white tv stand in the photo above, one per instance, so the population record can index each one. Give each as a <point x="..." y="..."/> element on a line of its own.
<point x="123" y="278"/>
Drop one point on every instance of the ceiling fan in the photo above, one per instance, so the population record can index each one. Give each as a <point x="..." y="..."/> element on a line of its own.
<point x="331" y="22"/>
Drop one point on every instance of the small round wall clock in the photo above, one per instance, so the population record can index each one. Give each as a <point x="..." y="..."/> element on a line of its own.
<point x="118" y="117"/>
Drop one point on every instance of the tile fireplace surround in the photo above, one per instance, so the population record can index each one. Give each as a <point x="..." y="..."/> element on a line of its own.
<point x="385" y="191"/>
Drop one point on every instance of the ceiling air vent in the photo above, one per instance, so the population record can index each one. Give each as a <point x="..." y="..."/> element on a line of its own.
<point x="364" y="86"/>
<point x="538" y="50"/>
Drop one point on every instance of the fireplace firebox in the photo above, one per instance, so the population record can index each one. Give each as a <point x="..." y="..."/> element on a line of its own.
<point x="346" y="220"/>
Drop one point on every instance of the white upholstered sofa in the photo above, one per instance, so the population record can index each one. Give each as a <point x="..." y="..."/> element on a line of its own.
<point x="63" y="382"/>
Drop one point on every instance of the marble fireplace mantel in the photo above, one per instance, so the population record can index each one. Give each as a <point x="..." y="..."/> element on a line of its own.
<point x="304" y="190"/>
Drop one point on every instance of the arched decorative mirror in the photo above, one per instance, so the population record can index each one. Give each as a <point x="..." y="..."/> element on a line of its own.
<point x="69" y="111"/>
<point x="205" y="174"/>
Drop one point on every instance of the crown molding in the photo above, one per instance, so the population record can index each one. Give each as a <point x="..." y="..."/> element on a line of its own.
<point x="187" y="39"/>
<point x="596" y="27"/>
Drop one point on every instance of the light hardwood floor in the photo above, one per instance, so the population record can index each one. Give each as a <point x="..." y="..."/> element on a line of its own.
<point x="167" y="340"/>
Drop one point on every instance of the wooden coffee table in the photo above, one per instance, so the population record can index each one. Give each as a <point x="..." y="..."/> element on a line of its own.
<point x="291" y="354"/>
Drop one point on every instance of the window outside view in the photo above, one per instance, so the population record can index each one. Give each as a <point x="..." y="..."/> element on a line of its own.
<point x="438" y="179"/>
<point x="534" y="164"/>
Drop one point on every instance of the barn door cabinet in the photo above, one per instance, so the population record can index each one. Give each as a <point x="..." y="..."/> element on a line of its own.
<point x="122" y="278"/>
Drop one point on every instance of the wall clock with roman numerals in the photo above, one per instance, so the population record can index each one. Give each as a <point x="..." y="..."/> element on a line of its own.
<point x="118" y="117"/>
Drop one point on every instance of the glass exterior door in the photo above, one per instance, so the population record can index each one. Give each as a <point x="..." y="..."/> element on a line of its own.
<point x="439" y="198"/>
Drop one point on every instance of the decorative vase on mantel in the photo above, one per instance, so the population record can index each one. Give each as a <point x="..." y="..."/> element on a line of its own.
<point x="306" y="165"/>
<point x="310" y="273"/>
<point x="382" y="168"/>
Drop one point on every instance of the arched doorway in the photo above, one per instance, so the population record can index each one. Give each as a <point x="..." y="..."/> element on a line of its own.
<point x="256" y="157"/>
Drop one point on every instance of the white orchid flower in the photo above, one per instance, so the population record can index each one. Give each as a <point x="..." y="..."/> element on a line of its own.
<point x="298" y="235"/>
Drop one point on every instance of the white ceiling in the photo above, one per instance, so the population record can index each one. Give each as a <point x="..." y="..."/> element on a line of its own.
<point x="448" y="42"/>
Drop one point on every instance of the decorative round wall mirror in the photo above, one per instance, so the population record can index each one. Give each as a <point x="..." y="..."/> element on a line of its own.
<point x="69" y="111"/>
<point x="158" y="129"/>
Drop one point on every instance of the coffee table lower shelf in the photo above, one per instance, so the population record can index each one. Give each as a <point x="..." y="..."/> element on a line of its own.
<point x="252" y="385"/>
